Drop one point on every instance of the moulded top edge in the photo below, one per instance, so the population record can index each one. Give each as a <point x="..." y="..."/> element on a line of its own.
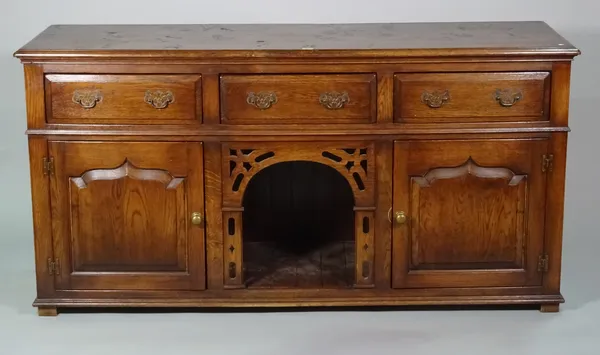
<point x="299" y="40"/>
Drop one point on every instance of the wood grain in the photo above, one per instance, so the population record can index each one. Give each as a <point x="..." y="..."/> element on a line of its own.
<point x="106" y="208"/>
<point x="555" y="203"/>
<point x="41" y="213"/>
<point x="265" y="133"/>
<point x="561" y="93"/>
<point x="298" y="98"/>
<point x="307" y="40"/>
<point x="555" y="212"/>
<point x="34" y="96"/>
<point x="385" y="104"/>
<point x="210" y="99"/>
<point x="309" y="293"/>
<point x="297" y="301"/>
<point x="214" y="217"/>
<point x="306" y="65"/>
<point x="383" y="227"/>
<point x="471" y="97"/>
<point x="442" y="239"/>
<point x="121" y="99"/>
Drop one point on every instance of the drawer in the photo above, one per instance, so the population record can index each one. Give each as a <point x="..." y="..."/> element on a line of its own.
<point x="125" y="99"/>
<point x="471" y="97"/>
<point x="273" y="99"/>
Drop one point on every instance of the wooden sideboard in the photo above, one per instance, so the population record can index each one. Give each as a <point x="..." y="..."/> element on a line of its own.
<point x="297" y="165"/>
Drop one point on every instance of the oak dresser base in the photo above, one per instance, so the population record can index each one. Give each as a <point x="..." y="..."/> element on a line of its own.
<point x="298" y="165"/>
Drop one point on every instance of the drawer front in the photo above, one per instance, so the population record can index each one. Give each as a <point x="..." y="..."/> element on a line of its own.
<point x="472" y="97"/>
<point x="273" y="99"/>
<point x="126" y="99"/>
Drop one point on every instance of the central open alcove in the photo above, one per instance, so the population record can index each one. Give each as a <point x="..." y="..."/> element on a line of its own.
<point x="298" y="227"/>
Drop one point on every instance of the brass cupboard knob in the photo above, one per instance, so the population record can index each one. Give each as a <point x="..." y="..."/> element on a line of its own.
<point x="197" y="218"/>
<point x="400" y="217"/>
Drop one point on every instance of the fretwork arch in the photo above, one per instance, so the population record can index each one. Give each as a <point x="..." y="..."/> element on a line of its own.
<point x="355" y="161"/>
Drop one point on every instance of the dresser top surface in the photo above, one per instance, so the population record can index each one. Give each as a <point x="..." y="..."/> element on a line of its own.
<point x="250" y="40"/>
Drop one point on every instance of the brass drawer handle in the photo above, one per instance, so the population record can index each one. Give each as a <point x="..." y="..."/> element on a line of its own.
<point x="508" y="97"/>
<point x="262" y="100"/>
<point x="334" y="100"/>
<point x="435" y="99"/>
<point x="87" y="98"/>
<point x="159" y="99"/>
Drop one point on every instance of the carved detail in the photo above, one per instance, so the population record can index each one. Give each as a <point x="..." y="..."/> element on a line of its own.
<point x="470" y="167"/>
<point x="232" y="270"/>
<point x="334" y="100"/>
<point x="233" y="249"/>
<point x="244" y="161"/>
<point x="242" y="164"/>
<point x="127" y="170"/>
<point x="508" y="97"/>
<point x="365" y="252"/>
<point x="159" y="99"/>
<point x="435" y="99"/>
<point x="352" y="160"/>
<point x="87" y="98"/>
<point x="262" y="100"/>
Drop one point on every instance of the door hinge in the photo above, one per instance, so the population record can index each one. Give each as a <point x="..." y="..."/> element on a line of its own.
<point x="547" y="162"/>
<point x="48" y="166"/>
<point x="53" y="267"/>
<point x="543" y="263"/>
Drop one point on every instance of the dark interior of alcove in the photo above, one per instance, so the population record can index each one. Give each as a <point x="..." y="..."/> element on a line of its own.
<point x="298" y="228"/>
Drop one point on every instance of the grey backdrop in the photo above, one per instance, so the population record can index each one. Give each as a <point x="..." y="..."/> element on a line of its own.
<point x="574" y="330"/>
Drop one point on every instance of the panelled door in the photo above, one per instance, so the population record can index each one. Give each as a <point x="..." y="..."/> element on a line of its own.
<point x="468" y="213"/>
<point x="128" y="215"/>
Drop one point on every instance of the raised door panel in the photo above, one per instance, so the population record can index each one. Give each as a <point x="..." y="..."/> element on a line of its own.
<point x="121" y="215"/>
<point x="468" y="213"/>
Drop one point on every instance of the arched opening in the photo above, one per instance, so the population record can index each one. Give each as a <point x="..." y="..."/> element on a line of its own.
<point x="298" y="227"/>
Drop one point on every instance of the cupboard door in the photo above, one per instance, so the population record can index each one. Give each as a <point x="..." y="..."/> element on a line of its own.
<point x="122" y="215"/>
<point x="468" y="213"/>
